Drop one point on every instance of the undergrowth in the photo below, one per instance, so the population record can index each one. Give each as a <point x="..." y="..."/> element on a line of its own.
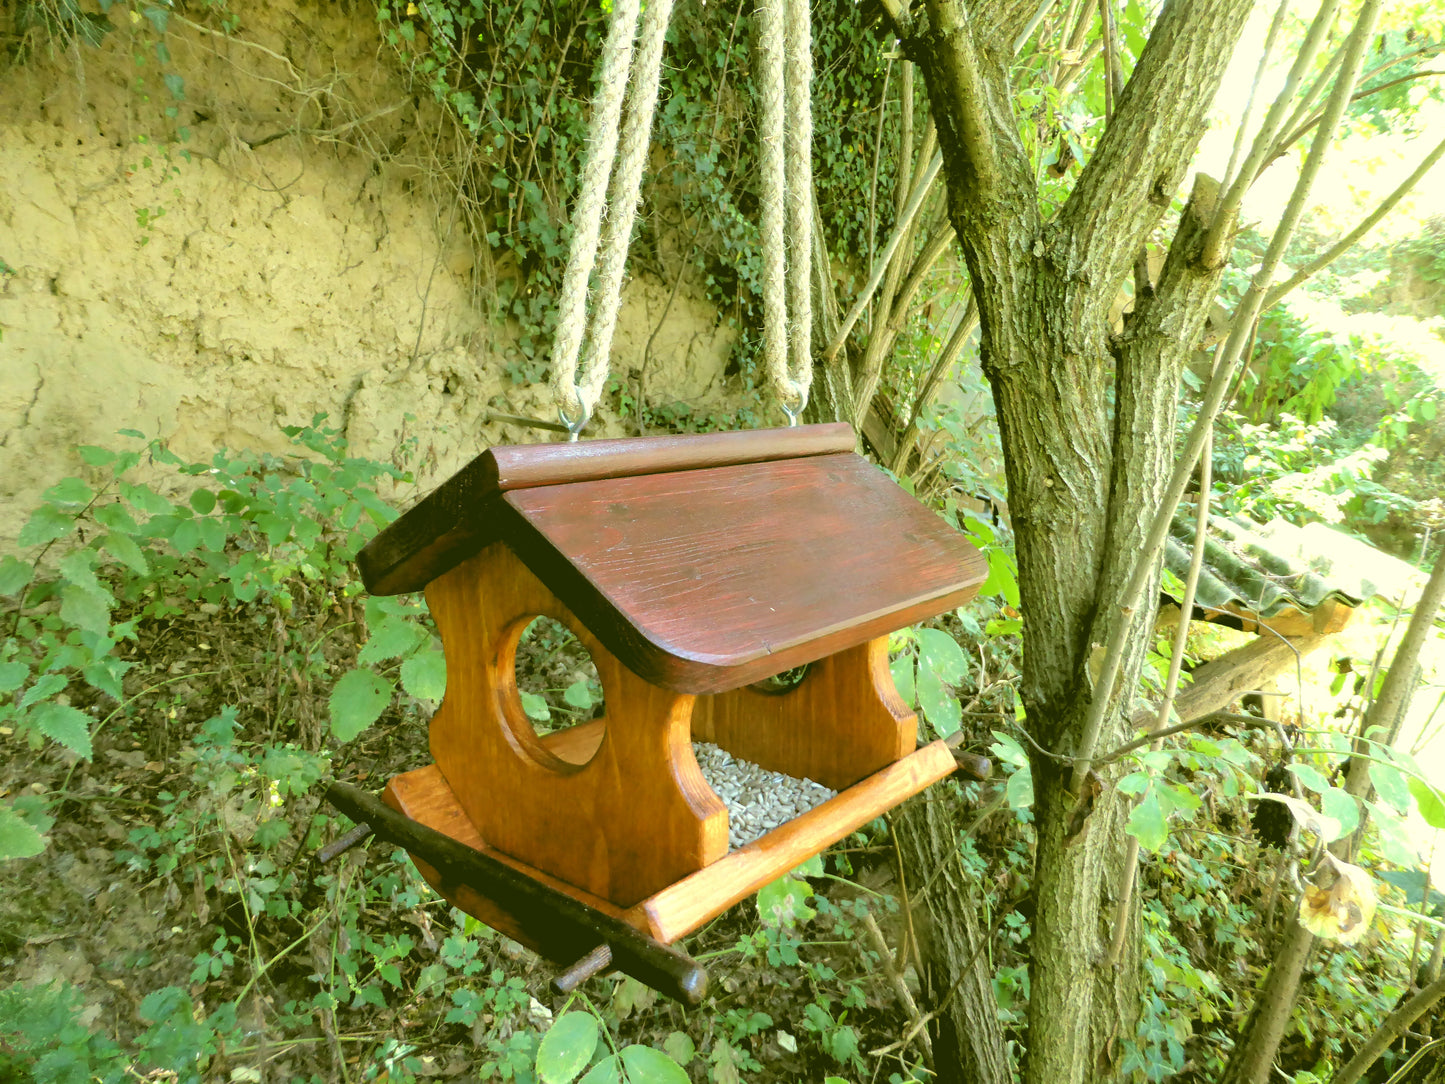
<point x="183" y="663"/>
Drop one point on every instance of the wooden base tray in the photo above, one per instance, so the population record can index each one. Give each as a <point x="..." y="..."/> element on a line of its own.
<point x="684" y="906"/>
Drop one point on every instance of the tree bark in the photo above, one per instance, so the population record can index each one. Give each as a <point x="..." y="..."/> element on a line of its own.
<point x="1083" y="478"/>
<point x="967" y="1039"/>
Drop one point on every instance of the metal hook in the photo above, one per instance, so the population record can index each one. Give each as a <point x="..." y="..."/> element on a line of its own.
<point x="794" y="413"/>
<point x="574" y="428"/>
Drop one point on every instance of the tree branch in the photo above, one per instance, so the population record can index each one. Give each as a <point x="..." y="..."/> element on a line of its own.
<point x="1288" y="141"/>
<point x="1346" y="242"/>
<point x="1224" y="366"/>
<point x="1229" y="206"/>
<point x="962" y="109"/>
<point x="1264" y="56"/>
<point x="1127" y="185"/>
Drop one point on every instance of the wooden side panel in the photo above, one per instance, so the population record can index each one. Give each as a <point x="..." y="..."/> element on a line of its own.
<point x="844" y="722"/>
<point x="634" y="818"/>
<point x="424" y="796"/>
<point x="678" y="910"/>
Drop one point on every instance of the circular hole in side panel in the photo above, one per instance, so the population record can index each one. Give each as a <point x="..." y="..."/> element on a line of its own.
<point x="559" y="689"/>
<point x="784" y="682"/>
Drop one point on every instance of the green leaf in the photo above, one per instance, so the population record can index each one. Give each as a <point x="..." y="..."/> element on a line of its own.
<point x="902" y="670"/>
<point x="115" y="517"/>
<point x="1134" y="783"/>
<point x="1429" y="802"/>
<point x="18" y="839"/>
<point x="186" y="536"/>
<point x="810" y="867"/>
<point x="213" y="534"/>
<point x="940" y="653"/>
<point x="1148" y="823"/>
<point x="578" y="696"/>
<point x="1340" y="806"/>
<point x="14" y="574"/>
<point x="391" y="637"/>
<point x="784" y="902"/>
<point x="45" y="524"/>
<point x="1394" y="841"/>
<point x="535" y="707"/>
<point x="1019" y="791"/>
<point x="64" y="724"/>
<point x="1003" y="577"/>
<point x="645" y="1065"/>
<point x="424" y="675"/>
<point x="1390" y="782"/>
<point x="124" y="549"/>
<point x="1309" y="778"/>
<point x="606" y="1071"/>
<point x="1008" y="750"/>
<point x="12" y="676"/>
<point x="940" y="709"/>
<point x="146" y="499"/>
<point x="567" y="1047"/>
<point x="46" y="686"/>
<point x="95" y="456"/>
<point x="70" y="493"/>
<point x="203" y="501"/>
<point x="680" y="1047"/>
<point x="85" y="609"/>
<point x="271" y="832"/>
<point x="358" y="701"/>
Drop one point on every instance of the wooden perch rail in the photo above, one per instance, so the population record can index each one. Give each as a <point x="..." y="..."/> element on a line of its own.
<point x="666" y="969"/>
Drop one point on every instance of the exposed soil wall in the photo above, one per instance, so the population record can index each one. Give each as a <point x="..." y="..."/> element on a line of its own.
<point x="295" y="254"/>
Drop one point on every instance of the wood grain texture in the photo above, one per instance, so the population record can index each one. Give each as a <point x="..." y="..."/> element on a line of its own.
<point x="635" y="817"/>
<point x="554" y="918"/>
<point x="844" y="721"/>
<point x="526" y="466"/>
<point x="708" y="580"/>
<point x="425" y="796"/>
<point x="460" y="517"/>
<point x="683" y="907"/>
<point x="686" y="905"/>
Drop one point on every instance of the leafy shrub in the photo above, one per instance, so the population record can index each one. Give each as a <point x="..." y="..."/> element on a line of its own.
<point x="255" y="531"/>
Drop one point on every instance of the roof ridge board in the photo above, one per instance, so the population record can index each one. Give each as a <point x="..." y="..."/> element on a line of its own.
<point x="527" y="466"/>
<point x="442" y="529"/>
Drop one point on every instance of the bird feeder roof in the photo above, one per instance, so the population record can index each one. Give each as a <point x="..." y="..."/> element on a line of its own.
<point x="703" y="562"/>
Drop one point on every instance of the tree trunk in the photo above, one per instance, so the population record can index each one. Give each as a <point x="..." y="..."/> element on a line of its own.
<point x="1084" y="476"/>
<point x="967" y="1040"/>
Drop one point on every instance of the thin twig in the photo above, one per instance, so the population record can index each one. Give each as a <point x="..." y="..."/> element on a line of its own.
<point x="1264" y="56"/>
<point x="1229" y="203"/>
<point x="1227" y="358"/>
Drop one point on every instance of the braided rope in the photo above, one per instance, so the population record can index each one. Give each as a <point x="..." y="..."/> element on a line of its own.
<point x="622" y="200"/>
<point x="772" y="157"/>
<point x="602" y="137"/>
<point x="800" y="204"/>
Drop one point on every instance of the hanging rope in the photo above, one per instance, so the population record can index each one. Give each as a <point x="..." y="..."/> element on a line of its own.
<point x="614" y="205"/>
<point x="785" y="90"/>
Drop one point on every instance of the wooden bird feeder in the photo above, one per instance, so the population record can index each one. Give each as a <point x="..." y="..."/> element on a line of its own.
<point x="691" y="568"/>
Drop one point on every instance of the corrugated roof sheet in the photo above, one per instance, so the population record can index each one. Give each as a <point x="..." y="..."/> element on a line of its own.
<point x="1267" y="568"/>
